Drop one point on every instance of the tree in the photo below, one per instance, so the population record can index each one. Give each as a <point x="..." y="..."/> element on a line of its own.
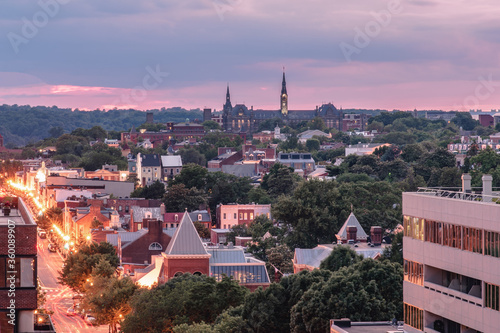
<point x="280" y="180"/>
<point x="178" y="198"/>
<point x="280" y="257"/>
<point x="107" y="298"/>
<point x="259" y="196"/>
<point x="465" y="121"/>
<point x="79" y="265"/>
<point x="182" y="300"/>
<point x="210" y="125"/>
<point x="312" y="145"/>
<point x="191" y="155"/>
<point x="341" y="256"/>
<point x="56" y="131"/>
<point x="153" y="191"/>
<point x="395" y="252"/>
<point x="192" y="175"/>
<point x="366" y="291"/>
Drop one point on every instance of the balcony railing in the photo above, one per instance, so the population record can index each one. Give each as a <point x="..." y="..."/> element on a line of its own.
<point x="455" y="193"/>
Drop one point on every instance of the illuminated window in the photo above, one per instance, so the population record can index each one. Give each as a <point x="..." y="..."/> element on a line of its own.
<point x="414" y="227"/>
<point x="414" y="316"/>
<point x="414" y="272"/>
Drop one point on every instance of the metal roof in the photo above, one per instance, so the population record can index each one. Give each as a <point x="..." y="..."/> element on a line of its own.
<point x="352" y="221"/>
<point x="256" y="273"/>
<point x="226" y="256"/>
<point x="186" y="239"/>
<point x="171" y="161"/>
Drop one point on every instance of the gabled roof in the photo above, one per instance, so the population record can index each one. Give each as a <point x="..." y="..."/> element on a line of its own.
<point x="171" y="161"/>
<point x="186" y="240"/>
<point x="352" y="221"/>
<point x="139" y="213"/>
<point x="149" y="160"/>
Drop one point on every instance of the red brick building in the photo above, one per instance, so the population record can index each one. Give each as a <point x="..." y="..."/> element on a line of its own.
<point x="18" y="258"/>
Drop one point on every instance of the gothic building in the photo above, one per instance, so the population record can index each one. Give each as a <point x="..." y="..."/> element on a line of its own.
<point x="239" y="118"/>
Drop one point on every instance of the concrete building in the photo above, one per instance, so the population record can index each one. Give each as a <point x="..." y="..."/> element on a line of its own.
<point x="451" y="260"/>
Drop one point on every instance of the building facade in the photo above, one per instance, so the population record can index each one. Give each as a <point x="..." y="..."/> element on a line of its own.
<point x="240" y="119"/>
<point x="452" y="260"/>
<point x="235" y="214"/>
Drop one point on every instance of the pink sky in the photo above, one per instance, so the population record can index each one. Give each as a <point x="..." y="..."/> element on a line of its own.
<point x="428" y="54"/>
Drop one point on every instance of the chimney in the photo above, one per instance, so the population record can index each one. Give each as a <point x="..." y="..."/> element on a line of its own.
<point x="162" y="209"/>
<point x="487" y="188"/>
<point x="376" y="235"/>
<point x="352" y="234"/>
<point x="466" y="187"/>
<point x="154" y="228"/>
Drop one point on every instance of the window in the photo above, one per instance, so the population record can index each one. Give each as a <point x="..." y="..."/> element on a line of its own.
<point x="251" y="216"/>
<point x="414" y="227"/>
<point x="235" y="216"/>
<point x="120" y="208"/>
<point x="176" y="217"/>
<point x="199" y="217"/>
<point x="24" y="272"/>
<point x="473" y="239"/>
<point x="414" y="272"/>
<point x="492" y="244"/>
<point x="245" y="216"/>
<point x="241" y="216"/>
<point x="139" y="226"/>
<point x="126" y="209"/>
<point x="224" y="216"/>
<point x="492" y="296"/>
<point x="433" y="232"/>
<point x="452" y="235"/>
<point x="414" y="316"/>
<point x="155" y="246"/>
<point x="171" y="225"/>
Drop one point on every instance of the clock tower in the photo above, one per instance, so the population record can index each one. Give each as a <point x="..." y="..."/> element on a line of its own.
<point x="284" y="97"/>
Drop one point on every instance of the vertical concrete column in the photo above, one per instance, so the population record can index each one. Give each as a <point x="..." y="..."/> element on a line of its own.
<point x="466" y="183"/>
<point x="487" y="188"/>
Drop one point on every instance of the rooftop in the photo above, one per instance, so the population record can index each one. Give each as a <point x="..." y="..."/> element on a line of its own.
<point x="475" y="194"/>
<point x="367" y="327"/>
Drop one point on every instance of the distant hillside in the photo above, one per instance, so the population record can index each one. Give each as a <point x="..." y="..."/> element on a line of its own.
<point x="21" y="124"/>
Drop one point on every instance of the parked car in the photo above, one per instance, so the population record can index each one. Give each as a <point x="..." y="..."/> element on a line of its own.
<point x="42" y="234"/>
<point x="52" y="247"/>
<point x="89" y="319"/>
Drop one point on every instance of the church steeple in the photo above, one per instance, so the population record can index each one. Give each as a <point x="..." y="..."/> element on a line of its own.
<point x="284" y="96"/>
<point x="227" y="105"/>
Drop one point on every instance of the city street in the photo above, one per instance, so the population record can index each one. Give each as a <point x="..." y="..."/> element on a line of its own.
<point x="59" y="298"/>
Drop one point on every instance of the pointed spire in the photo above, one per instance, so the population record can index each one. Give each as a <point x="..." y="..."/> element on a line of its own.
<point x="283" y="84"/>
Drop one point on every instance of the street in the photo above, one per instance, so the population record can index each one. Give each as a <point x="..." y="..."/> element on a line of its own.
<point x="59" y="298"/>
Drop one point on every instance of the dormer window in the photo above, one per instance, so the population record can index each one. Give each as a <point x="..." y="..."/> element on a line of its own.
<point x="149" y="215"/>
<point x="199" y="217"/>
<point x="176" y="217"/>
<point x="155" y="246"/>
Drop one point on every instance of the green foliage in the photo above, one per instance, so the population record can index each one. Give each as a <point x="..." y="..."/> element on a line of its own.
<point x="187" y="299"/>
<point x="192" y="175"/>
<point x="341" y="256"/>
<point x="210" y="125"/>
<point x="108" y="299"/>
<point x="153" y="191"/>
<point x="316" y="210"/>
<point x="178" y="198"/>
<point x="367" y="291"/>
<point x="191" y="155"/>
<point x="280" y="180"/>
<point x="395" y="252"/>
<point x="465" y="121"/>
<point x="23" y="123"/>
<point x="312" y="145"/>
<point x="259" y="196"/>
<point x="79" y="265"/>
